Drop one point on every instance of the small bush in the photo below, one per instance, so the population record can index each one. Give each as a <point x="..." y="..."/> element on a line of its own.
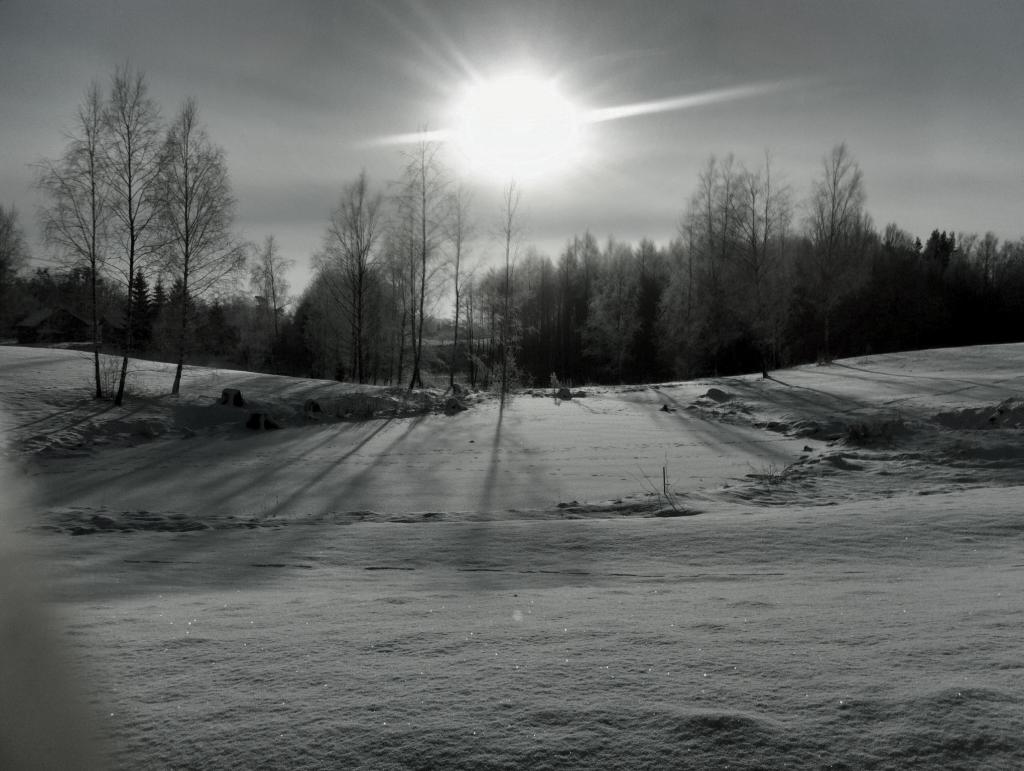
<point x="110" y="375"/>
<point x="872" y="432"/>
<point x="769" y="474"/>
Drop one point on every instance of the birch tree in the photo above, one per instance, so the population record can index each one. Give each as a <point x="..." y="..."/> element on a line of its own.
<point x="77" y="212"/>
<point x="132" y="155"/>
<point x="510" y="234"/>
<point x="712" y="227"/>
<point x="835" y="227"/>
<point x="270" y="285"/>
<point x="350" y="245"/>
<point x="425" y="185"/>
<point x="197" y="213"/>
<point x="614" y="316"/>
<point x="765" y="215"/>
<point x="459" y="233"/>
<point x="397" y="248"/>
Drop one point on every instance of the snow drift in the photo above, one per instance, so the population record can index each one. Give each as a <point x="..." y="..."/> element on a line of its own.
<point x="501" y="587"/>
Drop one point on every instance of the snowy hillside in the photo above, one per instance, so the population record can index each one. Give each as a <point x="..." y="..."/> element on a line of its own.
<point x="829" y="573"/>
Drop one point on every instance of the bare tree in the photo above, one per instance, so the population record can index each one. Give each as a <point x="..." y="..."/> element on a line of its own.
<point x="14" y="252"/>
<point x="397" y="248"/>
<point x="350" y="245"/>
<point x="14" y="256"/>
<point x="896" y="240"/>
<point x="613" y="318"/>
<point x="510" y="234"/>
<point x="269" y="283"/>
<point x="132" y="157"/>
<point x="77" y="212"/>
<point x="986" y="249"/>
<point x="460" y="231"/>
<point x="765" y="215"/>
<point x="424" y="192"/>
<point x="836" y="226"/>
<point x="197" y="211"/>
<point x="712" y="227"/>
<point x="713" y="220"/>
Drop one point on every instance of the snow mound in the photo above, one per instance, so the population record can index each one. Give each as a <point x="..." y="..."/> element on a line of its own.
<point x="717" y="395"/>
<point x="50" y="392"/>
<point x="827" y="429"/>
<point x="83" y="520"/>
<point x="1006" y="414"/>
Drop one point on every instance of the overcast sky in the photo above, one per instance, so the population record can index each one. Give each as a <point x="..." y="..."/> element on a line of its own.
<point x="928" y="96"/>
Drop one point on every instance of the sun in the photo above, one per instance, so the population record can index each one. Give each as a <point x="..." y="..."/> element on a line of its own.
<point x="517" y="126"/>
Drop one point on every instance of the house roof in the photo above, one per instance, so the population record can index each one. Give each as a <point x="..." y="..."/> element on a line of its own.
<point x="36" y="318"/>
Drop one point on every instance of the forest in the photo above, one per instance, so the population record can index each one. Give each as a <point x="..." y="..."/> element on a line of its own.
<point x="407" y="289"/>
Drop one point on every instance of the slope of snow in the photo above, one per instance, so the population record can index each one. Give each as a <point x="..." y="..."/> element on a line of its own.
<point x="407" y="591"/>
<point x="192" y="456"/>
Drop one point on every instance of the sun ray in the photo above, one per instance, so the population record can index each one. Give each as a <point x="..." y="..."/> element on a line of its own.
<point x="684" y="102"/>
<point x="410" y="138"/>
<point x="521" y="125"/>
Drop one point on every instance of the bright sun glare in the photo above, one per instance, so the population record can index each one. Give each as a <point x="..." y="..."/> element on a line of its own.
<point x="520" y="126"/>
<point x="517" y="126"/>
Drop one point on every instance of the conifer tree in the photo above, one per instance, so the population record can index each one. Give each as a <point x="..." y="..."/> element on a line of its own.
<point x="141" y="315"/>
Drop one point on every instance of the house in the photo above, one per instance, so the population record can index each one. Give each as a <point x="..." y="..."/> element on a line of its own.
<point x="53" y="325"/>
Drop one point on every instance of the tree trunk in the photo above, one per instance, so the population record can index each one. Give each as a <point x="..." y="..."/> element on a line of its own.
<point x="129" y="323"/>
<point x="177" y="372"/>
<point x="469" y="338"/>
<point x="828" y="352"/>
<point x="455" y="333"/>
<point x="181" y="349"/>
<point x="119" y="398"/>
<point x="455" y="341"/>
<point x="401" y="348"/>
<point x="96" y="335"/>
<point x="360" y="365"/>
<point x="412" y="323"/>
<point x="417" y="380"/>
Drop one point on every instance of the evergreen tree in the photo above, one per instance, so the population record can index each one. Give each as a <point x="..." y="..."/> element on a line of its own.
<point x="141" y="314"/>
<point x="215" y="334"/>
<point x="159" y="299"/>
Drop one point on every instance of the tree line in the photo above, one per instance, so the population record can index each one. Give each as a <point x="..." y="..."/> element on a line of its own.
<point x="758" y="278"/>
<point x="406" y="290"/>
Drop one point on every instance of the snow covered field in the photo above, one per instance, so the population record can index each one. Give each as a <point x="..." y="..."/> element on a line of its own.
<point x="833" y="580"/>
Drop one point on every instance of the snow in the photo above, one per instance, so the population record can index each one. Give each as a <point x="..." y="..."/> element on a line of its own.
<point x="510" y="587"/>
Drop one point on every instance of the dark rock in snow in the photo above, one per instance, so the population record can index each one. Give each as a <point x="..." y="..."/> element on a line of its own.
<point x="260" y="421"/>
<point x="453" y="405"/>
<point x="232" y="396"/>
